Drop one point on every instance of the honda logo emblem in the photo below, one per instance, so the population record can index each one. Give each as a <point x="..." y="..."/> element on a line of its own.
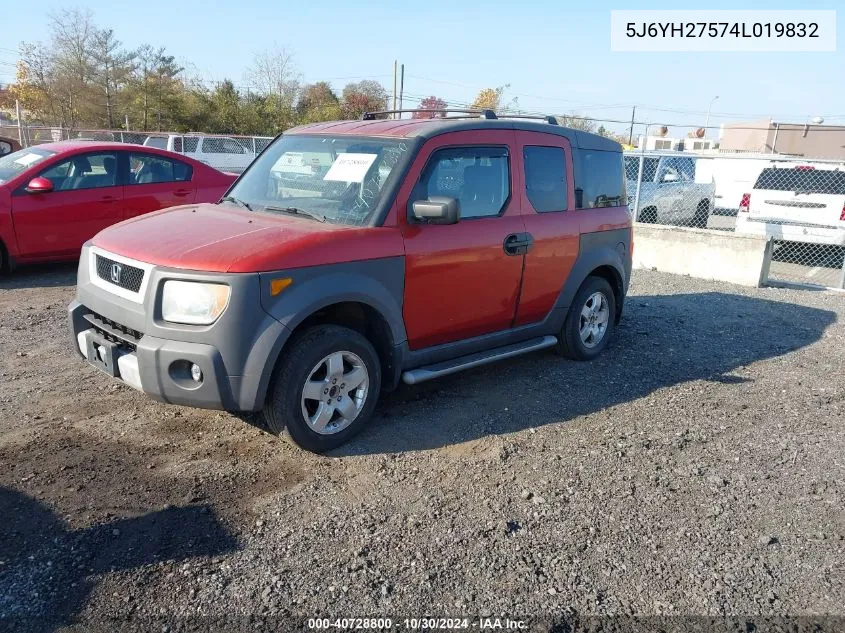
<point x="116" y="269"/>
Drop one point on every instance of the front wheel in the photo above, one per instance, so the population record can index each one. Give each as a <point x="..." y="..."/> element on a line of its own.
<point x="589" y="321"/>
<point x="324" y="389"/>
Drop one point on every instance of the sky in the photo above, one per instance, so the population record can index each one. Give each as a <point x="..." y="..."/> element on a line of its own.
<point x="555" y="55"/>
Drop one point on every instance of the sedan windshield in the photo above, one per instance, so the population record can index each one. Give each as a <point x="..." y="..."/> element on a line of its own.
<point x="338" y="179"/>
<point x="13" y="164"/>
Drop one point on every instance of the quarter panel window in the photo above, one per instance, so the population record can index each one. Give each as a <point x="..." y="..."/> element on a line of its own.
<point x="545" y="178"/>
<point x="477" y="177"/>
<point x="599" y="179"/>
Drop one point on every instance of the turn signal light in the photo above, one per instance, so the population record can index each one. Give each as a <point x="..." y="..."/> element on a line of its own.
<point x="278" y="285"/>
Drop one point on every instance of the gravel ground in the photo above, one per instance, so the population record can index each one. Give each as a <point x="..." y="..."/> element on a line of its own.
<point x="696" y="468"/>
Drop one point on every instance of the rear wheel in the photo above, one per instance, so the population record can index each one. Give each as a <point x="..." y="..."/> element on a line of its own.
<point x="589" y="322"/>
<point x="324" y="389"/>
<point x="702" y="214"/>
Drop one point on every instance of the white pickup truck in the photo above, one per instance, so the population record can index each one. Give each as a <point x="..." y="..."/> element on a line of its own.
<point x="225" y="153"/>
<point x="672" y="189"/>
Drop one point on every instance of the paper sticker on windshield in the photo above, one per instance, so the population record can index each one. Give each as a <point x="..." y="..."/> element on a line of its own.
<point x="28" y="159"/>
<point x="350" y="167"/>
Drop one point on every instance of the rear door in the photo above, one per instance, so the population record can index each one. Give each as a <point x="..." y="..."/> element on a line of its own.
<point x="462" y="280"/>
<point x="87" y="197"/>
<point x="799" y="195"/>
<point x="156" y="182"/>
<point x="548" y="207"/>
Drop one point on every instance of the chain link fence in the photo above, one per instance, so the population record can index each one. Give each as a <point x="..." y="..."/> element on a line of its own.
<point x="798" y="202"/>
<point x="230" y="153"/>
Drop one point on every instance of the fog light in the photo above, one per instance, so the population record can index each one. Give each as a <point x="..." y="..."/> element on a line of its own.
<point x="196" y="372"/>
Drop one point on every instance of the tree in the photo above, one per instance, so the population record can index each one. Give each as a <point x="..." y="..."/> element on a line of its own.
<point x="274" y="75"/>
<point x="430" y="103"/>
<point x="576" y="122"/>
<point x="112" y="69"/>
<point x="361" y="97"/>
<point x="491" y="99"/>
<point x="71" y="62"/>
<point x="318" y="102"/>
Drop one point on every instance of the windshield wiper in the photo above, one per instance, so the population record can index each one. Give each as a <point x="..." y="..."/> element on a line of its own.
<point x="297" y="211"/>
<point x="237" y="201"/>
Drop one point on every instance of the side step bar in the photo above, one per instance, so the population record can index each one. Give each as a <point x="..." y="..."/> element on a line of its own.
<point x="421" y="374"/>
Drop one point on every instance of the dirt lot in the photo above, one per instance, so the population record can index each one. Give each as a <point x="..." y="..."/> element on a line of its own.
<point x="696" y="468"/>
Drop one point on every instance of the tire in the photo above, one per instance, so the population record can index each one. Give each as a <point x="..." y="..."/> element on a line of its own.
<point x="571" y="343"/>
<point x="313" y="358"/>
<point x="702" y="214"/>
<point x="648" y="215"/>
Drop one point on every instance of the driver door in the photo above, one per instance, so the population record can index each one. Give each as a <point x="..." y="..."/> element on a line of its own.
<point x="87" y="197"/>
<point x="461" y="281"/>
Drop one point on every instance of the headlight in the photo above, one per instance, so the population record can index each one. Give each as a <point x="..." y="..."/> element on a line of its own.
<point x="193" y="302"/>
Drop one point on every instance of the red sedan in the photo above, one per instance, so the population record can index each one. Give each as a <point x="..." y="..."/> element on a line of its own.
<point x="55" y="197"/>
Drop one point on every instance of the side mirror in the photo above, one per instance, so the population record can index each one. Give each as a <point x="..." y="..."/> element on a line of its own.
<point x="670" y="177"/>
<point x="39" y="185"/>
<point x="437" y="210"/>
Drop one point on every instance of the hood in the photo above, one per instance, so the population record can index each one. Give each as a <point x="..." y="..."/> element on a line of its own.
<point x="229" y="238"/>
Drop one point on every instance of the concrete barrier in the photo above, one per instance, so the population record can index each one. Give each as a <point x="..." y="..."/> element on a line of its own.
<point x="716" y="255"/>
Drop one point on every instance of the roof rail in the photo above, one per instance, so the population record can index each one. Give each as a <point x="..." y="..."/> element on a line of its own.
<point x="539" y="117"/>
<point x="479" y="113"/>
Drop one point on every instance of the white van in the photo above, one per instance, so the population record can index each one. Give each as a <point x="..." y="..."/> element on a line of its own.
<point x="221" y="152"/>
<point x="798" y="203"/>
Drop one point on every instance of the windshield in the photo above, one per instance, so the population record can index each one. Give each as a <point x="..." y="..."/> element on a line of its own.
<point x="340" y="178"/>
<point x="13" y="164"/>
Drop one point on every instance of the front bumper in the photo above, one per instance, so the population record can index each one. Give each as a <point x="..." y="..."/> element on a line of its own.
<point x="125" y="338"/>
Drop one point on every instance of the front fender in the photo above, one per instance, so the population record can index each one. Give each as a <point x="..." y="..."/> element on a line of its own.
<point x="378" y="283"/>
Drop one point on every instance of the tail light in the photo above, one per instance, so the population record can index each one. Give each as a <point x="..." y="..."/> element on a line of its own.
<point x="745" y="202"/>
<point x="842" y="215"/>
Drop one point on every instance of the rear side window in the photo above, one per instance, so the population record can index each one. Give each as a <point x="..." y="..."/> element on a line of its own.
<point x="183" y="144"/>
<point x="214" y="145"/>
<point x="147" y="169"/>
<point x="477" y="177"/>
<point x="825" y="181"/>
<point x="545" y="178"/>
<point x="632" y="168"/>
<point x="599" y="179"/>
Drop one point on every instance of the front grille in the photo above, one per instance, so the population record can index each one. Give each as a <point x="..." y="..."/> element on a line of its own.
<point x="114" y="331"/>
<point x="121" y="275"/>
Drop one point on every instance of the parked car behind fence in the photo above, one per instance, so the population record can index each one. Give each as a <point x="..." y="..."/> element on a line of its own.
<point x="669" y="188"/>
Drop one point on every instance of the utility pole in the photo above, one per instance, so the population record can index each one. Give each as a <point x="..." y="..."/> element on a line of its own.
<point x="20" y="123"/>
<point x="631" y="133"/>
<point x="395" y="68"/>
<point x="401" y="86"/>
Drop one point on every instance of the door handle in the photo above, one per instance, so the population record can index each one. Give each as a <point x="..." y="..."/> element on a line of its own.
<point x="108" y="199"/>
<point x="181" y="192"/>
<point x="518" y="243"/>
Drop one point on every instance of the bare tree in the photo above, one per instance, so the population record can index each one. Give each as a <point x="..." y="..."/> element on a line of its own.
<point x="273" y="74"/>
<point x="113" y="68"/>
<point x="71" y="33"/>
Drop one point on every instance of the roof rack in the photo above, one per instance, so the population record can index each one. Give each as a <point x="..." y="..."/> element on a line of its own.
<point x="476" y="113"/>
<point x="538" y="117"/>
